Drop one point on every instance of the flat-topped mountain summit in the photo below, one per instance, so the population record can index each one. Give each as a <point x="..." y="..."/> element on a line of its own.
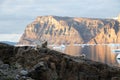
<point x="60" y="30"/>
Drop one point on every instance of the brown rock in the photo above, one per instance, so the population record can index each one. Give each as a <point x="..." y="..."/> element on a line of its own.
<point x="52" y="65"/>
<point x="115" y="78"/>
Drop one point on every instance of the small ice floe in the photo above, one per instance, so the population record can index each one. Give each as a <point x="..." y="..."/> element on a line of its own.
<point x="116" y="51"/>
<point x="59" y="48"/>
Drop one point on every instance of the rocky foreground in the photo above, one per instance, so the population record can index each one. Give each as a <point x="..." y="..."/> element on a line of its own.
<point x="26" y="63"/>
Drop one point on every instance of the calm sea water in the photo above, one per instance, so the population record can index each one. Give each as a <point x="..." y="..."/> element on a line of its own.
<point x="105" y="53"/>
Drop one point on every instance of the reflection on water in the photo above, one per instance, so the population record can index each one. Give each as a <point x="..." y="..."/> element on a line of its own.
<point x="101" y="53"/>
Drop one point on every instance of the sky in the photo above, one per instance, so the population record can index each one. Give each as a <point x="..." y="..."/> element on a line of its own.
<point x="15" y="15"/>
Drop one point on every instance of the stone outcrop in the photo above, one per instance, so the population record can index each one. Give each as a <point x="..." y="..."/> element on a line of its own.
<point x="67" y="30"/>
<point x="6" y="52"/>
<point x="46" y="64"/>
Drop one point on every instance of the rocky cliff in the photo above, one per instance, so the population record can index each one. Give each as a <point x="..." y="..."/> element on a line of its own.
<point x="25" y="63"/>
<point x="68" y="30"/>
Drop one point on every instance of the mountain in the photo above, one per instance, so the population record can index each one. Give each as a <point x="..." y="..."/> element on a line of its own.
<point x="69" y="30"/>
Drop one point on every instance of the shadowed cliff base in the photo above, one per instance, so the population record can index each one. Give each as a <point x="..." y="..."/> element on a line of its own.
<point x="26" y="63"/>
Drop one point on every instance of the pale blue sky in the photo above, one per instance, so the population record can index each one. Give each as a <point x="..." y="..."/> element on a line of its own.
<point x="16" y="14"/>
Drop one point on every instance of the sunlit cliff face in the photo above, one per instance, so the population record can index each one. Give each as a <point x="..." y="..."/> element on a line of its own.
<point x="58" y="30"/>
